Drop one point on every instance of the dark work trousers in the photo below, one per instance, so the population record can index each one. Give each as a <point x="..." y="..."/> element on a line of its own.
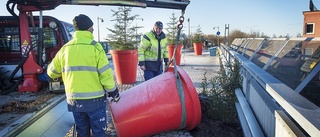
<point x="97" y="119"/>
<point x="148" y="74"/>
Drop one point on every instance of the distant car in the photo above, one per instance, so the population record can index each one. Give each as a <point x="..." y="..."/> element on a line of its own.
<point x="106" y="48"/>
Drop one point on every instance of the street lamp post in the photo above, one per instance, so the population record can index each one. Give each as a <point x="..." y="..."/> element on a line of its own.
<point x="226" y="27"/>
<point x="137" y="28"/>
<point x="218" y="33"/>
<point x="251" y="32"/>
<point x="99" y="19"/>
<point x="189" y="40"/>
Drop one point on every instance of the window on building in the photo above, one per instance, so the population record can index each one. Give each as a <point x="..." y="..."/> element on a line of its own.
<point x="310" y="28"/>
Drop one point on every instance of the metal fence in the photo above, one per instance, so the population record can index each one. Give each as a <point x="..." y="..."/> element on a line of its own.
<point x="281" y="85"/>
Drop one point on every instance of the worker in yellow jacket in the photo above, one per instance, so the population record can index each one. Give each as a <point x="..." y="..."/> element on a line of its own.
<point x="153" y="51"/>
<point x="87" y="77"/>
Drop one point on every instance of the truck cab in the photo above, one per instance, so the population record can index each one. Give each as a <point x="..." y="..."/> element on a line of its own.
<point x="55" y="34"/>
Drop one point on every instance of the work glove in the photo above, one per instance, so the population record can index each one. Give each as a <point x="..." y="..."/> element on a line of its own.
<point x="115" y="95"/>
<point x="116" y="98"/>
<point x="143" y="67"/>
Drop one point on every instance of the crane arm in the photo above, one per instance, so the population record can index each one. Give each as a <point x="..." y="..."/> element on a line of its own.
<point x="51" y="4"/>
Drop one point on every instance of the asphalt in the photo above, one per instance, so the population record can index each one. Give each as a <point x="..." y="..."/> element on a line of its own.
<point x="196" y="66"/>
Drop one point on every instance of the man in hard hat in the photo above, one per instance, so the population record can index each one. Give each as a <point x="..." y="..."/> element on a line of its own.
<point x="153" y="52"/>
<point x="87" y="77"/>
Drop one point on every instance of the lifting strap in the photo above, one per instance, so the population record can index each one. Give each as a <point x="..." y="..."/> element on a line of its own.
<point x="177" y="75"/>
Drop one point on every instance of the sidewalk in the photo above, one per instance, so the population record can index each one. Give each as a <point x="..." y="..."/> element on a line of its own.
<point x="195" y="67"/>
<point x="58" y="121"/>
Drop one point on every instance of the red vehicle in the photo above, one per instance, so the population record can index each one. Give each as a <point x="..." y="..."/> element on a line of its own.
<point x="41" y="48"/>
<point x="28" y="43"/>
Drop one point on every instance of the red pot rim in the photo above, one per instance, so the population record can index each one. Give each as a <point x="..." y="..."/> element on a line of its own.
<point x="123" y="51"/>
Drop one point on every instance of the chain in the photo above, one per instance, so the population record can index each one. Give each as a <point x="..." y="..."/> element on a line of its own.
<point x="181" y="20"/>
<point x="179" y="27"/>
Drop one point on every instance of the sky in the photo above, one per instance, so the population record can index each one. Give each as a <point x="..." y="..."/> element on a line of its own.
<point x="270" y="17"/>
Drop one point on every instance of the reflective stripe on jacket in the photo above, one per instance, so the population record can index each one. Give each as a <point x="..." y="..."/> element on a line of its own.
<point x="148" y="50"/>
<point x="84" y="68"/>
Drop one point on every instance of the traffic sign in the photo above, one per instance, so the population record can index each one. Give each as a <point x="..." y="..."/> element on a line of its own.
<point x="218" y="32"/>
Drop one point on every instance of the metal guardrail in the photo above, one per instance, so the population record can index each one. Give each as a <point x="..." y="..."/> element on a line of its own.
<point x="252" y="123"/>
<point x="266" y="95"/>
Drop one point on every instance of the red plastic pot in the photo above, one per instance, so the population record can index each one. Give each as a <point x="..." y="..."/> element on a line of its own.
<point x="178" y="53"/>
<point x="198" y="48"/>
<point x="153" y="107"/>
<point x="125" y="65"/>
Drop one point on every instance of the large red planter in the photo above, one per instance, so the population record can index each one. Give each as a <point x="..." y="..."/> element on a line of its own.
<point x="148" y="108"/>
<point x="125" y="65"/>
<point x="198" y="48"/>
<point x="178" y="53"/>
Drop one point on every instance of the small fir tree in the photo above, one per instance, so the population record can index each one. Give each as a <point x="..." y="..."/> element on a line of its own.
<point x="197" y="38"/>
<point x="122" y="36"/>
<point x="172" y="29"/>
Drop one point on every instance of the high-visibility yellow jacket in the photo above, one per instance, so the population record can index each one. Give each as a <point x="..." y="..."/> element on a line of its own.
<point x="153" y="50"/>
<point x="84" y="68"/>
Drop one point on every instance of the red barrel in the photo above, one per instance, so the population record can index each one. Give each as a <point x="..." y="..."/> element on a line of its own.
<point x="154" y="106"/>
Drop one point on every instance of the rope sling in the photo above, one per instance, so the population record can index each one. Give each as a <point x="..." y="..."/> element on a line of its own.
<point x="177" y="75"/>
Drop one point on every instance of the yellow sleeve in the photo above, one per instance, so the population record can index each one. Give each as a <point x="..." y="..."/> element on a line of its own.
<point x="54" y="68"/>
<point x="105" y="70"/>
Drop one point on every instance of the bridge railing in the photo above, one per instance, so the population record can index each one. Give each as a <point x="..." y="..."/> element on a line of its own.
<point x="270" y="103"/>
